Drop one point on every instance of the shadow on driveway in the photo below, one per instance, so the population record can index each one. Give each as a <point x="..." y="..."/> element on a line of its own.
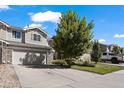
<point x="45" y="66"/>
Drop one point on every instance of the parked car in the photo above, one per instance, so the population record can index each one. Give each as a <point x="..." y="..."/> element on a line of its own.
<point x="114" y="58"/>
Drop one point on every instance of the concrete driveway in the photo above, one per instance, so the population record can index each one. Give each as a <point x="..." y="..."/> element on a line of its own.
<point x="66" y="78"/>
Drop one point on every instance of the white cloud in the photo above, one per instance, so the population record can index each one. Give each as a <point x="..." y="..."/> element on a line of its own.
<point x="4" y="7"/>
<point x="35" y="25"/>
<point x="119" y="36"/>
<point x="101" y="40"/>
<point x="30" y="13"/>
<point x="48" y="16"/>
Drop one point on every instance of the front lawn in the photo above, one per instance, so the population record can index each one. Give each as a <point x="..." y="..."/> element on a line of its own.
<point x="99" y="68"/>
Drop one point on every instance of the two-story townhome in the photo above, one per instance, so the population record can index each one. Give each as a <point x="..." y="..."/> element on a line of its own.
<point x="23" y="46"/>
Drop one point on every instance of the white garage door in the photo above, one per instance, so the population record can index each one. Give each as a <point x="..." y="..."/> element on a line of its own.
<point x="19" y="57"/>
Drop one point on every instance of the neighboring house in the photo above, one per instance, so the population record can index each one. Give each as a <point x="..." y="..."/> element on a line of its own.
<point x="104" y="47"/>
<point x="122" y="50"/>
<point x="23" y="46"/>
<point x="109" y="48"/>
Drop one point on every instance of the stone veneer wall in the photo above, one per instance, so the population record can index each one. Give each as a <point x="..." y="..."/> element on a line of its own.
<point x="6" y="55"/>
<point x="9" y="55"/>
<point x="0" y="55"/>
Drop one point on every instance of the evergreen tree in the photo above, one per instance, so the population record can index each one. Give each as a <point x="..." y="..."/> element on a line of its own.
<point x="73" y="35"/>
<point x="116" y="49"/>
<point x="96" y="51"/>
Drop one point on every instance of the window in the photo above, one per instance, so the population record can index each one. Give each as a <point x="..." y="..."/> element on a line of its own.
<point x="8" y="29"/>
<point x="4" y="28"/>
<point x="16" y="34"/>
<point x="104" y="53"/>
<point x="111" y="54"/>
<point x="36" y="37"/>
<point x="1" y="27"/>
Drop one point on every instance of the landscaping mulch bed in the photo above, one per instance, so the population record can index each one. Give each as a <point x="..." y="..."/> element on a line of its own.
<point x="8" y="77"/>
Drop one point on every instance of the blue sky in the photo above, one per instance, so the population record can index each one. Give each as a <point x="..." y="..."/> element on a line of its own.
<point x="109" y="20"/>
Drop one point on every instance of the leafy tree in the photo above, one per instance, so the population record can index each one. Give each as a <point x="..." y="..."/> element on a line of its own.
<point x="73" y="36"/>
<point x="121" y="50"/>
<point x="96" y="51"/>
<point x="116" y="49"/>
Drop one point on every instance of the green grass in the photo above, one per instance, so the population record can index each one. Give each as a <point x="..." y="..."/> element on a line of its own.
<point x="99" y="68"/>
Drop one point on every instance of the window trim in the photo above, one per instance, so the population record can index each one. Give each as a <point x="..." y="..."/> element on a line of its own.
<point x="15" y="34"/>
<point x="104" y="54"/>
<point x="36" y="37"/>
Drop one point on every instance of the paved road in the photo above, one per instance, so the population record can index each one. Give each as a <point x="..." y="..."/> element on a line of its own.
<point x="67" y="78"/>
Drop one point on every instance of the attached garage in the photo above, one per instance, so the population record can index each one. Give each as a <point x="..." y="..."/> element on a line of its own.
<point x="18" y="53"/>
<point x="17" y="56"/>
<point x="28" y="57"/>
<point x="23" y="46"/>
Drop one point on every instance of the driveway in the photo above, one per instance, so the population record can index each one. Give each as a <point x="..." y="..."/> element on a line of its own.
<point x="66" y="78"/>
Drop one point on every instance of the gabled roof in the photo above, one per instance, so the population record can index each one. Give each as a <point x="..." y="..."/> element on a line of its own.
<point x="2" y="40"/>
<point x="4" y="23"/>
<point x="38" y="29"/>
<point x="25" y="29"/>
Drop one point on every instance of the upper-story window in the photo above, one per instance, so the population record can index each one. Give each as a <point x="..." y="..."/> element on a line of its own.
<point x="9" y="29"/>
<point x="16" y="34"/>
<point x="36" y="37"/>
<point x="2" y="27"/>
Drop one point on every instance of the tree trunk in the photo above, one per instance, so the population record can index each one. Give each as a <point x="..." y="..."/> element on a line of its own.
<point x="69" y="62"/>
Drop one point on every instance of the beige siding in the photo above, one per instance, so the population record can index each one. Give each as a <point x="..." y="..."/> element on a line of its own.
<point x="2" y="34"/>
<point x="10" y="38"/>
<point x="7" y="35"/>
<point x="28" y="38"/>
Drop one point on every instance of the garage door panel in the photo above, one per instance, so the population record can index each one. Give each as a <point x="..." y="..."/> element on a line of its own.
<point x="28" y="57"/>
<point x="17" y="57"/>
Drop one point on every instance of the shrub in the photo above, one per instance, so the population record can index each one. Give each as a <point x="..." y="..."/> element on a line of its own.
<point x="85" y="63"/>
<point x="58" y="62"/>
<point x="70" y="62"/>
<point x="89" y="64"/>
<point x="96" y="52"/>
